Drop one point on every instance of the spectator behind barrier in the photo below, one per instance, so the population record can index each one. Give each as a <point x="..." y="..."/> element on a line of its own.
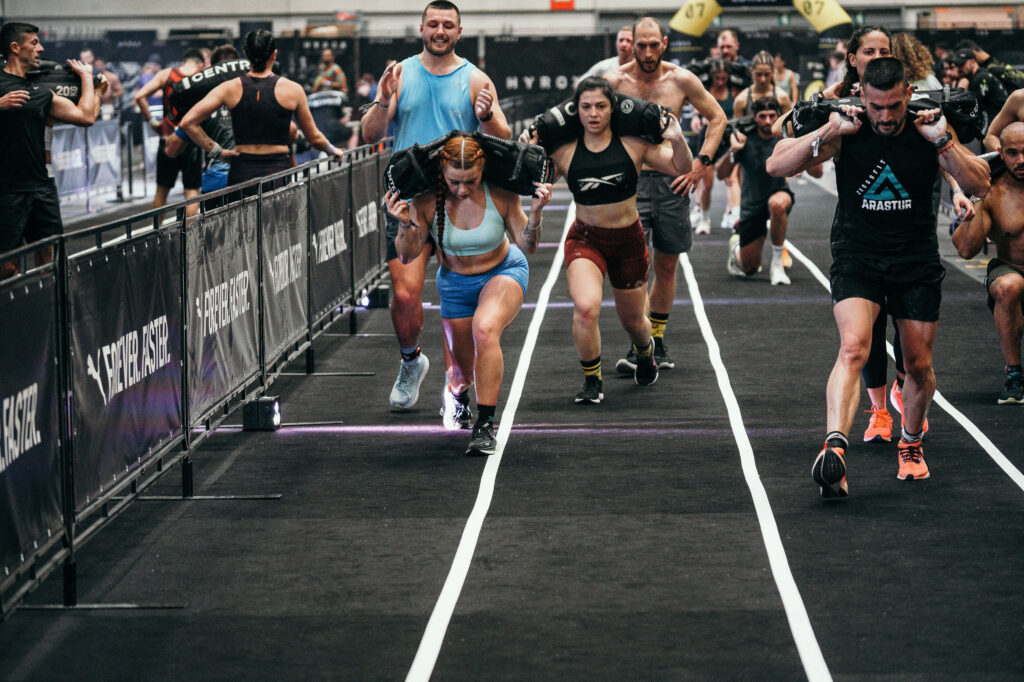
<point x="29" y="207"/>
<point x="218" y="127"/>
<point x="262" y="105"/>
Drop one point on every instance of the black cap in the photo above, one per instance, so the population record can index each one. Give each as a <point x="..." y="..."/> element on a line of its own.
<point x="961" y="56"/>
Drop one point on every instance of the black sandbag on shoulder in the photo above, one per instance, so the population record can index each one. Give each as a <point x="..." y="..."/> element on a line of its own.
<point x="631" y="117"/>
<point x="512" y="166"/>
<point x="187" y="92"/>
<point x="60" y="78"/>
<point x="959" y="106"/>
<point x="744" y="124"/>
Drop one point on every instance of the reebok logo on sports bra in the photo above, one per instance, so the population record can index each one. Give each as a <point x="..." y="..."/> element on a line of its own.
<point x="592" y="183"/>
<point x="882" y="191"/>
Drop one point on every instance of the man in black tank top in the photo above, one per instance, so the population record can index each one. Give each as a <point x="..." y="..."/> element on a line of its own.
<point x="884" y="248"/>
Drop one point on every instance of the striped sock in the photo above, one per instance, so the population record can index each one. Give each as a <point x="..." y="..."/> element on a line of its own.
<point x="645" y="352"/>
<point x="658" y="323"/>
<point x="592" y="367"/>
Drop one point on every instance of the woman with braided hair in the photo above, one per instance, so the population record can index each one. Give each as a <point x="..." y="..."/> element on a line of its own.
<point x="482" y="276"/>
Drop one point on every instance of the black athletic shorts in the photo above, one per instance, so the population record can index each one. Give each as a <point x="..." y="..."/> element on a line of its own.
<point x="753" y="225"/>
<point x="996" y="269"/>
<point x="189" y="163"/>
<point x="910" y="290"/>
<point x="27" y="217"/>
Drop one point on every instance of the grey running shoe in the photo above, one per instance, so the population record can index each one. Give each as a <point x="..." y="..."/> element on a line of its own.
<point x="627" y="365"/>
<point x="455" y="416"/>
<point x="483" y="443"/>
<point x="646" y="370"/>
<point x="593" y="391"/>
<point x="661" y="355"/>
<point x="406" y="390"/>
<point x="1013" y="390"/>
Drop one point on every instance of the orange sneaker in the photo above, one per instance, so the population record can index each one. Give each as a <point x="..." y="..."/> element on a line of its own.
<point x="787" y="260"/>
<point x="896" y="398"/>
<point x="912" y="466"/>
<point x="829" y="472"/>
<point x="880" y="427"/>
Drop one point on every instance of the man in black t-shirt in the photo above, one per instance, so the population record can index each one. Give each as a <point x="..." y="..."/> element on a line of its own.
<point x="884" y="248"/>
<point x="29" y="207"/>
<point x="987" y="88"/>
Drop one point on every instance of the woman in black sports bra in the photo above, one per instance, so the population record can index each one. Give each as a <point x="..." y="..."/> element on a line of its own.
<point x="262" y="105"/>
<point x="602" y="169"/>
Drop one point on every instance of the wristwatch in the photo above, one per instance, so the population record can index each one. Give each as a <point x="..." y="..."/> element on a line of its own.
<point x="943" y="141"/>
<point x="705" y="159"/>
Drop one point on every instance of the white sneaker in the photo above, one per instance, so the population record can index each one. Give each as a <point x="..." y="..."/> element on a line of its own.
<point x="732" y="264"/>
<point x="778" y="273"/>
<point x="701" y="225"/>
<point x="695" y="213"/>
<point x="406" y="390"/>
<point x="454" y="415"/>
<point x="730" y="218"/>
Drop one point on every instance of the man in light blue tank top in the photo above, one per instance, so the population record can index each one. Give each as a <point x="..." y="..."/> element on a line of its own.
<point x="426" y="96"/>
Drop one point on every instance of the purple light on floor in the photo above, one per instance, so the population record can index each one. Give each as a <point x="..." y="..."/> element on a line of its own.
<point x="432" y="430"/>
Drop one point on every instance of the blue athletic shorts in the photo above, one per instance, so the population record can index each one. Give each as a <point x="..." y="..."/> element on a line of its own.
<point x="460" y="293"/>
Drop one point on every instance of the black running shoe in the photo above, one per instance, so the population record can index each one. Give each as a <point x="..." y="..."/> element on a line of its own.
<point x="661" y="355"/>
<point x="646" y="371"/>
<point x="483" y="442"/>
<point x="829" y="472"/>
<point x="593" y="391"/>
<point x="627" y="365"/>
<point x="1013" y="390"/>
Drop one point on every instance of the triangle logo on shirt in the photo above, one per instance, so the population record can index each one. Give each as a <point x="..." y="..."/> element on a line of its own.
<point x="886" y="187"/>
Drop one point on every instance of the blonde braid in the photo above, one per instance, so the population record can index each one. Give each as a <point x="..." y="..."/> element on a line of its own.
<point x="441" y="195"/>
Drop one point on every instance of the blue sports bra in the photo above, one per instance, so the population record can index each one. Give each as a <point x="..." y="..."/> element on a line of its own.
<point x="484" y="238"/>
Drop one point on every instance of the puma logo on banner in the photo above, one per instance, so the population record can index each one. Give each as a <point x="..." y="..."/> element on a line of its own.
<point x="18" y="432"/>
<point x="123" y="363"/>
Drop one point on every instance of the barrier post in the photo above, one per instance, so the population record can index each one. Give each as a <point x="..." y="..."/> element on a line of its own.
<point x="130" y="146"/>
<point x="353" y="325"/>
<point x="64" y="419"/>
<point x="310" y="359"/>
<point x="187" y="480"/>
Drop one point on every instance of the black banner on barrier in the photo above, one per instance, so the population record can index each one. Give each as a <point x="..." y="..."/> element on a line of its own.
<point x="284" y="220"/>
<point x="329" y="207"/>
<point x="366" y="250"/>
<point x="125" y="313"/>
<point x="30" y="478"/>
<point x="223" y="346"/>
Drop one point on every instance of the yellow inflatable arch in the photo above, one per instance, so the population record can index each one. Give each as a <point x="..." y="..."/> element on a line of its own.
<point x="696" y="15"/>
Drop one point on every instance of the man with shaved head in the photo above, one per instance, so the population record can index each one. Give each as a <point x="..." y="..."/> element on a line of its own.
<point x="1000" y="217"/>
<point x="665" y="214"/>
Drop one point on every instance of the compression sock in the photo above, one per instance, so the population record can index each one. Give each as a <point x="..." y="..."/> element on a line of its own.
<point x="592" y="367"/>
<point x="645" y="352"/>
<point x="658" y="323"/>
<point x="485" y="413"/>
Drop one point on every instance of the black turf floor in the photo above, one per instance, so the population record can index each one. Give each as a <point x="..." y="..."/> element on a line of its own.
<point x="622" y="540"/>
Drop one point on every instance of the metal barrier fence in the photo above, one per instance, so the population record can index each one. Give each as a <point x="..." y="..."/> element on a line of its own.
<point x="122" y="354"/>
